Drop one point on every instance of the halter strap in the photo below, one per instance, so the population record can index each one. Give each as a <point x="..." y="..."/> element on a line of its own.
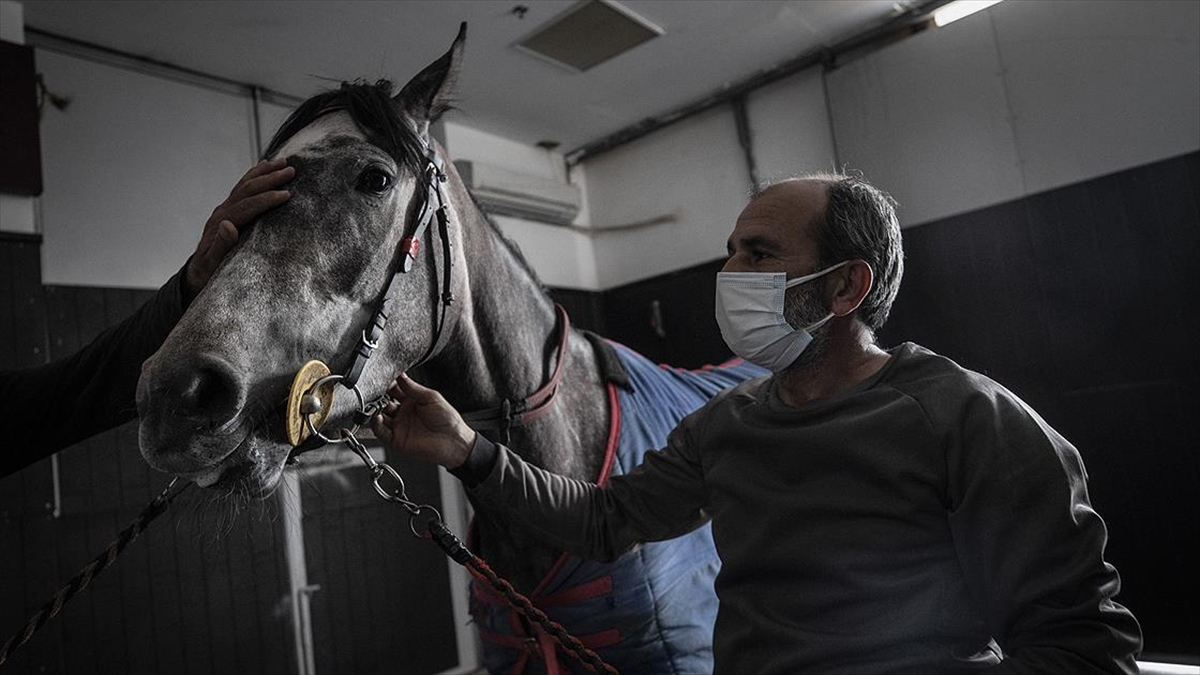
<point x="410" y="246"/>
<point x="519" y="413"/>
<point x="509" y="413"/>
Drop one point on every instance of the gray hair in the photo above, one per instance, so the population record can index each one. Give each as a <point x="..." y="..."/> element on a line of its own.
<point x="860" y="223"/>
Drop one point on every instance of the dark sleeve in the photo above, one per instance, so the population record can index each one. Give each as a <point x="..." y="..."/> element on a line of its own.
<point x="479" y="463"/>
<point x="661" y="499"/>
<point x="1031" y="546"/>
<point x="49" y="407"/>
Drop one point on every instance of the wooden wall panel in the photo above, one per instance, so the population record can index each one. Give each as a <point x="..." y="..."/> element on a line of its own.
<point x="690" y="337"/>
<point x="154" y="611"/>
<point x="27" y="534"/>
<point x="586" y="308"/>
<point x="23" y="325"/>
<point x="41" y="572"/>
<point x="382" y="604"/>
<point x="74" y="550"/>
<point x="165" y="608"/>
<point x="8" y="317"/>
<point x="199" y="642"/>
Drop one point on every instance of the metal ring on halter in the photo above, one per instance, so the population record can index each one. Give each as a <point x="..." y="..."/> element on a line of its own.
<point x="362" y="405"/>
<point x="397" y="496"/>
<point x="412" y="521"/>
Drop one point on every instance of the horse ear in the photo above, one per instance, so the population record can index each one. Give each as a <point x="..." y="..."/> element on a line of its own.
<point x="429" y="94"/>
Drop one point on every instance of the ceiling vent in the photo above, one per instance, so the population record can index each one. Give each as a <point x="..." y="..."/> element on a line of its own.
<point x="504" y="192"/>
<point x="589" y="34"/>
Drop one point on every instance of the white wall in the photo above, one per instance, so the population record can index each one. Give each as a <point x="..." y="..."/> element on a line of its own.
<point x="927" y="121"/>
<point x="1021" y="98"/>
<point x="561" y="256"/>
<point x="12" y="22"/>
<point x="692" y="170"/>
<point x="789" y="124"/>
<point x="132" y="169"/>
<point x="696" y="170"/>
<point x="465" y="142"/>
<point x="130" y="179"/>
<point x="270" y="118"/>
<point x="1101" y="86"/>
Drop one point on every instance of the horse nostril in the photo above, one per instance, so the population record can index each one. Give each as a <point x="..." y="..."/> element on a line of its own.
<point x="207" y="390"/>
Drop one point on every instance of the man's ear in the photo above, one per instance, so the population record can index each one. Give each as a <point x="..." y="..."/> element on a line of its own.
<point x="429" y="94"/>
<point x="853" y="283"/>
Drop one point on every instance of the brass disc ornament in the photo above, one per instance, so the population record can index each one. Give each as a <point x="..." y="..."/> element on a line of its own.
<point x="318" y="404"/>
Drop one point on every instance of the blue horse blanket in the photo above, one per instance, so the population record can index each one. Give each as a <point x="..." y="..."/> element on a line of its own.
<point x="651" y="610"/>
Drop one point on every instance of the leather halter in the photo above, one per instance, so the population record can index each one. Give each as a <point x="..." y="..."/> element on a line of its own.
<point x="411" y="245"/>
<point x="509" y="413"/>
<point x="533" y="407"/>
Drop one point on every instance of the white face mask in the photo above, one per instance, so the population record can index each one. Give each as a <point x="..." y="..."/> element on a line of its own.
<point x="750" y="314"/>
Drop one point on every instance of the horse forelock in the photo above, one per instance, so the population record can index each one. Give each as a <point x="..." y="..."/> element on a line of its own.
<point x="372" y="109"/>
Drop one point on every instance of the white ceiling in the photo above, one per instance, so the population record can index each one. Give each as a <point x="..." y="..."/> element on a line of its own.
<point x="295" y="47"/>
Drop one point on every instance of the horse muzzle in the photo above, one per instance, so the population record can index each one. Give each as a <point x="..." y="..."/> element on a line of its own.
<point x="191" y="413"/>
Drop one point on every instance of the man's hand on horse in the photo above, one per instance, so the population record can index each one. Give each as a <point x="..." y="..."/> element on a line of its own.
<point x="422" y="425"/>
<point x="255" y="193"/>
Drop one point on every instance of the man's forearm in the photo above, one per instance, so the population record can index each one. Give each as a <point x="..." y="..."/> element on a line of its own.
<point x="52" y="406"/>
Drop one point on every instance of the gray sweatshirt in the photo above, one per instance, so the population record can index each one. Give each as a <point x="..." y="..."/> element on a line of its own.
<point x="908" y="525"/>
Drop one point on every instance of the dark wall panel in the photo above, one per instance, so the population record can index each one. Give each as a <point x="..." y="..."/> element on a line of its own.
<point x="21" y="161"/>
<point x="27" y="534"/>
<point x="1083" y="301"/>
<point x="586" y="308"/>
<point x="22" y="306"/>
<point x="669" y="318"/>
<point x="382" y="603"/>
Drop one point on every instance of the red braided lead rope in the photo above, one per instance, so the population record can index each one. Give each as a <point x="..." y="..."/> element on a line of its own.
<point x="154" y="509"/>
<point x="522" y="604"/>
<point x="458" y="552"/>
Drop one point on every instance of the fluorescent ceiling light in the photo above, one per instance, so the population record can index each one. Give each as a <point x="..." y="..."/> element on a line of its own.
<point x="958" y="9"/>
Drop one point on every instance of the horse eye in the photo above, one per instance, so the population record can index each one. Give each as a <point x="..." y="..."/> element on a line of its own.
<point x="375" y="181"/>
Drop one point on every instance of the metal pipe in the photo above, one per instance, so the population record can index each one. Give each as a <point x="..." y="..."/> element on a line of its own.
<point x="300" y="590"/>
<point x="43" y="39"/>
<point x="837" y="155"/>
<point x="745" y="139"/>
<point x="256" y="121"/>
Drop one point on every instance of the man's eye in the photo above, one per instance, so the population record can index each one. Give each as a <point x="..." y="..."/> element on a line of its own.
<point x="374" y="180"/>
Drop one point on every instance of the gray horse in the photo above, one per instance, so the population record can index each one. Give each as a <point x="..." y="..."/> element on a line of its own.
<point x="468" y="316"/>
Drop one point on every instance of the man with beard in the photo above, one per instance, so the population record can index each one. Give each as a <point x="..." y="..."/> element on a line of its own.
<point x="875" y="511"/>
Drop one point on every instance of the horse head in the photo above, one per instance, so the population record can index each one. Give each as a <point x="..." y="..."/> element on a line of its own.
<point x="305" y="281"/>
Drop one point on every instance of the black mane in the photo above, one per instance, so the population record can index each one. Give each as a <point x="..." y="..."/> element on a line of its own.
<point x="373" y="109"/>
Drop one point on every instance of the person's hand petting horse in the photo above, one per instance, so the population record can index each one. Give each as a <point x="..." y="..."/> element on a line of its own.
<point x="255" y="192"/>
<point x="96" y="385"/>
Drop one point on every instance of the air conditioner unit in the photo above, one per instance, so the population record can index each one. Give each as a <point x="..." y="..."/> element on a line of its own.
<point x="505" y="192"/>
